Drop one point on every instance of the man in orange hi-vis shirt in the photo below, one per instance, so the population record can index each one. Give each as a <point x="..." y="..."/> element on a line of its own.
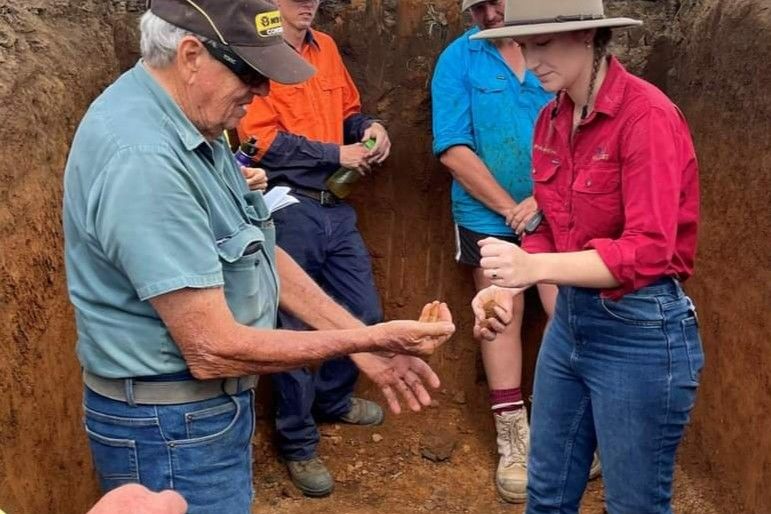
<point x="305" y="133"/>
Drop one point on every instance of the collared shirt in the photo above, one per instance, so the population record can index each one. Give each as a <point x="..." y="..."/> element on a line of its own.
<point x="300" y="127"/>
<point x="479" y="102"/>
<point x="151" y="207"/>
<point x="626" y="186"/>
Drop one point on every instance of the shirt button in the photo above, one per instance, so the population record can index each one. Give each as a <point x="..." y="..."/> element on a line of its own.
<point x="588" y="183"/>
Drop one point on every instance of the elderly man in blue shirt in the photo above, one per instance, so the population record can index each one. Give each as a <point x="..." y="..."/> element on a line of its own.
<point x="173" y="270"/>
<point x="485" y="104"/>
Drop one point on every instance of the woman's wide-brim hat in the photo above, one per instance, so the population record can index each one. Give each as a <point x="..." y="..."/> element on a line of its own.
<point x="534" y="17"/>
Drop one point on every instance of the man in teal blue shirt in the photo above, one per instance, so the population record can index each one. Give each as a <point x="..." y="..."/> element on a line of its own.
<point x="485" y="104"/>
<point x="173" y="270"/>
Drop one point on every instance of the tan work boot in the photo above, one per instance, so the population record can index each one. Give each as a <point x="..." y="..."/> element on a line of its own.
<point x="513" y="446"/>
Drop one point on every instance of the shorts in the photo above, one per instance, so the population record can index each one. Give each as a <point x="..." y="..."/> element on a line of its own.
<point x="467" y="249"/>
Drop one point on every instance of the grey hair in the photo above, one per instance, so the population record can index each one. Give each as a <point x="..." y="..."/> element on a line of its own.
<point x="159" y="40"/>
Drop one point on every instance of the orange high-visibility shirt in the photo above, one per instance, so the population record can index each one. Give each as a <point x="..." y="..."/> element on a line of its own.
<point x="315" y="109"/>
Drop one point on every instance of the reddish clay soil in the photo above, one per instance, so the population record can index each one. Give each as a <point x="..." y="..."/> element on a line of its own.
<point x="710" y="56"/>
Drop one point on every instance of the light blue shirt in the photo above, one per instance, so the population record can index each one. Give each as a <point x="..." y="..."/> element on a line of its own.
<point x="479" y="102"/>
<point x="150" y="207"/>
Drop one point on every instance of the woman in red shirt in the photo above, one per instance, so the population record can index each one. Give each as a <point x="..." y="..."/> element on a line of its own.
<point x="616" y="177"/>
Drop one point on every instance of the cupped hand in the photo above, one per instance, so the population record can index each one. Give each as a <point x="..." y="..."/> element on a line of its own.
<point x="493" y="311"/>
<point x="420" y="338"/>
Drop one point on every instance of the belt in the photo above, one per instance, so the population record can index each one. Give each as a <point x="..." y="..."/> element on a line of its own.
<point x="324" y="197"/>
<point x="135" y="391"/>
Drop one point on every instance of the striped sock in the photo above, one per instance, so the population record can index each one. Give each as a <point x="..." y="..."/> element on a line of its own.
<point x="506" y="400"/>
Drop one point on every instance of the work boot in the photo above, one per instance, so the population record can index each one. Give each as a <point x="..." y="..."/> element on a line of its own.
<point x="596" y="469"/>
<point x="513" y="445"/>
<point x="363" y="412"/>
<point x="311" y="477"/>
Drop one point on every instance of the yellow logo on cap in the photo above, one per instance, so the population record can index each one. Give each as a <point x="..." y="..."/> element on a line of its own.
<point x="269" y="24"/>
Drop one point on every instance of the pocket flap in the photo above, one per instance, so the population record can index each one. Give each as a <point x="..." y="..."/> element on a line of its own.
<point x="235" y="247"/>
<point x="544" y="172"/>
<point x="489" y="84"/>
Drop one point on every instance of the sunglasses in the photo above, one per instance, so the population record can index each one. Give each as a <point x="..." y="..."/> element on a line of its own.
<point x="234" y="63"/>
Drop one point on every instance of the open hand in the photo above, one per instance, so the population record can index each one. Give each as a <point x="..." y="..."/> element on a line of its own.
<point x="408" y="376"/>
<point x="382" y="148"/>
<point x="256" y="178"/>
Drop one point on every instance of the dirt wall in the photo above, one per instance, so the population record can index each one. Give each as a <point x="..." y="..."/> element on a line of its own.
<point x="56" y="55"/>
<point x="716" y="68"/>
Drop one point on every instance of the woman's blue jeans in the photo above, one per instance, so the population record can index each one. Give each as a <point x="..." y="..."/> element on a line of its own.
<point x="201" y="450"/>
<point x="621" y="376"/>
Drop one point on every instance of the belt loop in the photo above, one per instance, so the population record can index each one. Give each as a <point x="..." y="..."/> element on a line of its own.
<point x="128" y="387"/>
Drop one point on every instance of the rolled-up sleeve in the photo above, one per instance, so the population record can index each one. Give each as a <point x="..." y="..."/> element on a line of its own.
<point x="451" y="102"/>
<point x="651" y="176"/>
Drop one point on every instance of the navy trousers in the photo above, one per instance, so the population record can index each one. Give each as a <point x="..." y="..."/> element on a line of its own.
<point x="325" y="242"/>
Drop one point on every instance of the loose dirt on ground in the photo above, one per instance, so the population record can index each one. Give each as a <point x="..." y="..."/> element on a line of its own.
<point x="395" y="474"/>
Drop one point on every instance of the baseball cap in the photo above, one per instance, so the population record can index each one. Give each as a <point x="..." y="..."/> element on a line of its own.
<point x="251" y="29"/>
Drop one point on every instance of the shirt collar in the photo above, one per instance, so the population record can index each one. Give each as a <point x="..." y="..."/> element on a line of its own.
<point x="310" y="39"/>
<point x="611" y="94"/>
<point x="190" y="136"/>
<point x="477" y="45"/>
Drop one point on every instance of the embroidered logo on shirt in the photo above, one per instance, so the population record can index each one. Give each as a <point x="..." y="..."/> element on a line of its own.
<point x="544" y="149"/>
<point x="600" y="155"/>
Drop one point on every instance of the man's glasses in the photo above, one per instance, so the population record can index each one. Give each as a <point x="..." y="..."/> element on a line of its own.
<point x="234" y="63"/>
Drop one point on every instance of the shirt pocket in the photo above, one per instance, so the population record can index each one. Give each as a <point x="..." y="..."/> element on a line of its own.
<point x="293" y="99"/>
<point x="544" y="183"/>
<point x="249" y="292"/>
<point x="597" y="199"/>
<point x="487" y="98"/>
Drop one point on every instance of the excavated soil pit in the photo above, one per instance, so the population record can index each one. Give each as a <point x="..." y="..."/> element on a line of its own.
<point x="709" y="56"/>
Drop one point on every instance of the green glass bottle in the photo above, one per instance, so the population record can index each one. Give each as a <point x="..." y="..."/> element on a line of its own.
<point x="341" y="182"/>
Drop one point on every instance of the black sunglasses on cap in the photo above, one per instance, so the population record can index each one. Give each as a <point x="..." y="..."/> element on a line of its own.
<point x="234" y="63"/>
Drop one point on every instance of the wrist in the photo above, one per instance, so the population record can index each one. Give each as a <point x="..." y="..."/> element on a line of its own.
<point x="540" y="266"/>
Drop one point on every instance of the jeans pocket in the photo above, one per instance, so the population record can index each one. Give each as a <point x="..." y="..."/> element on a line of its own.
<point x="210" y="421"/>
<point x="114" y="459"/>
<point x="693" y="347"/>
<point x="643" y="311"/>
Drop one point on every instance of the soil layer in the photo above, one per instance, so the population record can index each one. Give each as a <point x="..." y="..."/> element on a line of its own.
<point x="710" y="56"/>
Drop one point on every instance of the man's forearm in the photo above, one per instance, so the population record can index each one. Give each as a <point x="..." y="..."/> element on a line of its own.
<point x="214" y="344"/>
<point x="305" y="300"/>
<point x="469" y="170"/>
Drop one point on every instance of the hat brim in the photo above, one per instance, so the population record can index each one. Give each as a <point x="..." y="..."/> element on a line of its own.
<point x="280" y="62"/>
<point x="552" y="28"/>
<point x="468" y="5"/>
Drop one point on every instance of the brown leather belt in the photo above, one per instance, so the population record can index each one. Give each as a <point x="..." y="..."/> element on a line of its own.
<point x="135" y="391"/>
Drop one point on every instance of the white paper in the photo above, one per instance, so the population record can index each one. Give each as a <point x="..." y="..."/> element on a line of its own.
<point x="278" y="197"/>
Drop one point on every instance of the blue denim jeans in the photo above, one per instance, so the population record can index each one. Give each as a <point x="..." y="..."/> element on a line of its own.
<point x="621" y="375"/>
<point x="201" y="450"/>
<point x="327" y="245"/>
